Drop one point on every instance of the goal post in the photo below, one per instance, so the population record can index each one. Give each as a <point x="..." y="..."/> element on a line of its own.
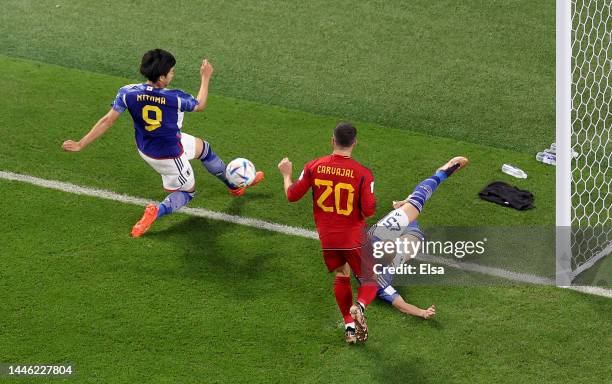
<point x="583" y="130"/>
<point x="563" y="101"/>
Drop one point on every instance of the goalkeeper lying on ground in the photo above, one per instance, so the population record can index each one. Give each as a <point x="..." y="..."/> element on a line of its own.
<point x="401" y="223"/>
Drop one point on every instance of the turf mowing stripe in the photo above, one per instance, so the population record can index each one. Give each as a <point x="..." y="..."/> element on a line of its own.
<point x="286" y="229"/>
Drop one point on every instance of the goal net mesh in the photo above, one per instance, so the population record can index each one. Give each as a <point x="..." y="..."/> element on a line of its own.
<point x="591" y="121"/>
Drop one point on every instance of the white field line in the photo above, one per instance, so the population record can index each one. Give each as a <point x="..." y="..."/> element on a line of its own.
<point x="285" y="229"/>
<point x="492" y="271"/>
<point x="200" y="212"/>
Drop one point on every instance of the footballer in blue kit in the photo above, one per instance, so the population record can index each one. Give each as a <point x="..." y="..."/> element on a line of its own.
<point x="157" y="113"/>
<point x="402" y="223"/>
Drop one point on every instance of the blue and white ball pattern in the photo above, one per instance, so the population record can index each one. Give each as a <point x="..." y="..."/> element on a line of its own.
<point x="240" y="172"/>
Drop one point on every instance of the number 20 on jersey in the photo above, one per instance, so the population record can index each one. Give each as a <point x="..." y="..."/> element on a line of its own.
<point x="339" y="207"/>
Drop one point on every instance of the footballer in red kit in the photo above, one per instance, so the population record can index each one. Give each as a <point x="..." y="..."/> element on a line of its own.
<point x="342" y="197"/>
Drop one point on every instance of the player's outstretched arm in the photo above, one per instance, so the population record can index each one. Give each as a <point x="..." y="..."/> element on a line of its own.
<point x="98" y="130"/>
<point x="286" y="169"/>
<point x="206" y="71"/>
<point x="293" y="191"/>
<point x="413" y="310"/>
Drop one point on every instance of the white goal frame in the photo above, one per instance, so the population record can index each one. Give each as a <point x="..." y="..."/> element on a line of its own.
<point x="566" y="272"/>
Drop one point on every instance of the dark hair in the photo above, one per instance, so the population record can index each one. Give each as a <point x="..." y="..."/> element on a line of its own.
<point x="345" y="134"/>
<point x="156" y="63"/>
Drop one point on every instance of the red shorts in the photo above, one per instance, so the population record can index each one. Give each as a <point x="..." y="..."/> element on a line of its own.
<point x="335" y="258"/>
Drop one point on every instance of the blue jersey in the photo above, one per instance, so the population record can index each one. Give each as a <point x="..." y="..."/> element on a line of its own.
<point x="386" y="292"/>
<point x="158" y="117"/>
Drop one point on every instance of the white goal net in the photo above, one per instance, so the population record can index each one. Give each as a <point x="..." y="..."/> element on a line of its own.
<point x="587" y="148"/>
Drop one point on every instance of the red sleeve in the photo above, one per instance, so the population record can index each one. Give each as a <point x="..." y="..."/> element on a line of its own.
<point x="297" y="190"/>
<point x="367" y="198"/>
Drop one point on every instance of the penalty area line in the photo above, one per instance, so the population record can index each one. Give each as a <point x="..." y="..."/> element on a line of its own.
<point x="281" y="228"/>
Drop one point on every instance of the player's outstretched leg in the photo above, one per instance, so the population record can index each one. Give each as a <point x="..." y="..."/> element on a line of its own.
<point x="259" y="176"/>
<point x="216" y="166"/>
<point x="171" y="203"/>
<point x="427" y="187"/>
<point x="453" y="165"/>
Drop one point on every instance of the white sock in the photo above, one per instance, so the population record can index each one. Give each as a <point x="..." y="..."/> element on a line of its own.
<point x="349" y="325"/>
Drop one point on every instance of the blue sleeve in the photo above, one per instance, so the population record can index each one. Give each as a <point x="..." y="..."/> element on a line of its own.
<point x="119" y="103"/>
<point x="188" y="102"/>
<point x="387" y="294"/>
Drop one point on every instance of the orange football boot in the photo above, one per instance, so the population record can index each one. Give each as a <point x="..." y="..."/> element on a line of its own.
<point x="143" y="225"/>
<point x="259" y="176"/>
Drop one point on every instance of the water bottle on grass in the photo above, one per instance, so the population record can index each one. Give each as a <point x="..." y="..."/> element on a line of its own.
<point x="553" y="150"/>
<point x="546" y="158"/>
<point x="514" y="171"/>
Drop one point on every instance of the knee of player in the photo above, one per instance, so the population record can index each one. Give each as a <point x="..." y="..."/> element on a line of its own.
<point x="200" y="147"/>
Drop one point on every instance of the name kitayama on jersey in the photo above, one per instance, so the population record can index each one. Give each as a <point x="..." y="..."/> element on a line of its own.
<point x="155" y="99"/>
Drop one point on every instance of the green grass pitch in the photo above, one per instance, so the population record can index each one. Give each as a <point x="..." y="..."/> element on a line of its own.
<point x="198" y="300"/>
<point x="202" y="301"/>
<point x="482" y="72"/>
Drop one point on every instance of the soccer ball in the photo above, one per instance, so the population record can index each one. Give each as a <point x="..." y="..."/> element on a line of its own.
<point x="240" y="172"/>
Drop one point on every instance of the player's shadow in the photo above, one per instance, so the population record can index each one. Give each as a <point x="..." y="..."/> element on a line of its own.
<point x="237" y="257"/>
<point x="237" y="204"/>
<point x="222" y="252"/>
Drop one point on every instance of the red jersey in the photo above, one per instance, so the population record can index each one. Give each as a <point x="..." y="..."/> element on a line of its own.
<point x="342" y="197"/>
